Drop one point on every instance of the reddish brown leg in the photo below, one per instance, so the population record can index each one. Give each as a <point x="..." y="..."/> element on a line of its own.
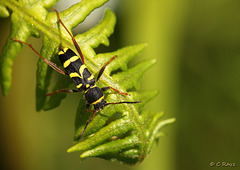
<point x="51" y="64"/>
<point x="73" y="39"/>
<point x="108" y="87"/>
<point x="101" y="72"/>
<point x="103" y="68"/>
<point x="94" y="112"/>
<point x="62" y="91"/>
<point x="124" y="102"/>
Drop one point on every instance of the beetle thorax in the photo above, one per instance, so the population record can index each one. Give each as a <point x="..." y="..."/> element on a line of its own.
<point x="94" y="96"/>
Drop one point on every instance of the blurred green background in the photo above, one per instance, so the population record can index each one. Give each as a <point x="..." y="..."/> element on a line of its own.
<point x="197" y="46"/>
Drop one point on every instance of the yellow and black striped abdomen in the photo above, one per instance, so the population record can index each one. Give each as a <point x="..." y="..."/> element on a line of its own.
<point x="75" y="68"/>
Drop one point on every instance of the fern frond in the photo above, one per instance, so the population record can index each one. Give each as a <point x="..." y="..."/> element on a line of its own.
<point x="125" y="132"/>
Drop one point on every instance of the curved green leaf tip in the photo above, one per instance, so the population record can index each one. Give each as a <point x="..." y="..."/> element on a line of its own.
<point x="125" y="132"/>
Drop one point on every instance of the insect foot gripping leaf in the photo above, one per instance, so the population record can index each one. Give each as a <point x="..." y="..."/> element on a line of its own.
<point x="124" y="132"/>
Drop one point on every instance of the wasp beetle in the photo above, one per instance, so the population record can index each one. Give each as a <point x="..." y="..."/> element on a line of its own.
<point x="83" y="79"/>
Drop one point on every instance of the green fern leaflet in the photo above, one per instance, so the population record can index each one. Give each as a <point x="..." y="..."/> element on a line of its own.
<point x="124" y="133"/>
